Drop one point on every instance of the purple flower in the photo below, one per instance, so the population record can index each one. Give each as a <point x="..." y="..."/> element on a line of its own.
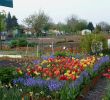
<point x="85" y="74"/>
<point x="103" y="60"/>
<point x="55" y="85"/>
<point x="20" y="80"/>
<point x="44" y="57"/>
<point x="52" y="56"/>
<point x="76" y="83"/>
<point x="36" y="62"/>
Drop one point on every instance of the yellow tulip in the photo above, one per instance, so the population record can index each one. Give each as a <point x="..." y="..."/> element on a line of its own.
<point x="77" y="76"/>
<point x="68" y="71"/>
<point x="73" y="72"/>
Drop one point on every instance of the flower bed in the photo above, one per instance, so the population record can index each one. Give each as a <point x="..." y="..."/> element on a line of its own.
<point x="62" y="78"/>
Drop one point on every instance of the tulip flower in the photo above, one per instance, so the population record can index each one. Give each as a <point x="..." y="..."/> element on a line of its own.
<point x="19" y="71"/>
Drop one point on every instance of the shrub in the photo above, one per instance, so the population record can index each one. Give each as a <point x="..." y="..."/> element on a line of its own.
<point x="18" y="43"/>
<point x="13" y="43"/>
<point x="106" y="51"/>
<point x="61" y="53"/>
<point x="32" y="44"/>
<point x="22" y="42"/>
<point x="87" y="40"/>
<point x="7" y="74"/>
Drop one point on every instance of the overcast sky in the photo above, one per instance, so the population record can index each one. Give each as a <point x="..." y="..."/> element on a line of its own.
<point x="59" y="10"/>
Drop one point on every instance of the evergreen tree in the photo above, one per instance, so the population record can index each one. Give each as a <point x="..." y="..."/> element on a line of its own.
<point x="90" y="26"/>
<point x="9" y="22"/>
<point x="14" y="22"/>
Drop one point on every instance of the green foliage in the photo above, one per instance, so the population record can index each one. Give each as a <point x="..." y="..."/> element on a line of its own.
<point x="90" y="26"/>
<point x="22" y="42"/>
<point x="7" y="74"/>
<point x="38" y="22"/>
<point x="11" y="22"/>
<point x="13" y="43"/>
<point x="75" y="25"/>
<point x="106" y="51"/>
<point x="87" y="40"/>
<point x="62" y="53"/>
<point x="32" y="44"/>
<point x="68" y="93"/>
<point x="18" y="43"/>
<point x="107" y="93"/>
<point x="2" y="22"/>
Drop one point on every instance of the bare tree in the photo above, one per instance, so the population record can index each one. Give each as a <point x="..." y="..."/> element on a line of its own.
<point x="38" y="22"/>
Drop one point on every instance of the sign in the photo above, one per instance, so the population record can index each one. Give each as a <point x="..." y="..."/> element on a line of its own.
<point x="6" y="3"/>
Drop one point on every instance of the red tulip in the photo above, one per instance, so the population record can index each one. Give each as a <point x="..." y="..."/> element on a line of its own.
<point x="73" y="77"/>
<point x="70" y="67"/>
<point x="18" y="69"/>
<point x="63" y="77"/>
<point x="57" y="72"/>
<point x="50" y="74"/>
<point x="108" y="70"/>
<point x="39" y="69"/>
<point x="29" y="73"/>
<point x="54" y="69"/>
<point x="105" y="74"/>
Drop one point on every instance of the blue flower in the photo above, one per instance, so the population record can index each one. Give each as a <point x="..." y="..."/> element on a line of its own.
<point x="55" y="85"/>
<point x="36" y="62"/>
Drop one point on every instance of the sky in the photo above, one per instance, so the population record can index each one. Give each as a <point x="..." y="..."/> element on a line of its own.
<point x="59" y="10"/>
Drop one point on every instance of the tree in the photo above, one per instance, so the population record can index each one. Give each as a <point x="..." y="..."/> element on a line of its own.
<point x="98" y="29"/>
<point x="9" y="22"/>
<point x="90" y="26"/>
<point x="71" y="23"/>
<point x="61" y="27"/>
<point x="104" y="26"/>
<point x="82" y="24"/>
<point x="14" y="22"/>
<point x="38" y="22"/>
<point x="75" y="25"/>
<point x="2" y="22"/>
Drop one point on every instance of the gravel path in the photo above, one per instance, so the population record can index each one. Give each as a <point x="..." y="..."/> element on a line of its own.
<point x="98" y="92"/>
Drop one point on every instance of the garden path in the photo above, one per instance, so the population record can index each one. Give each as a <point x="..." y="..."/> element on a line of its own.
<point x="98" y="91"/>
<point x="5" y="63"/>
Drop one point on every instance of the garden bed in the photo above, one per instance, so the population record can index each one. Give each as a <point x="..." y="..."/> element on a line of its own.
<point x="59" y="78"/>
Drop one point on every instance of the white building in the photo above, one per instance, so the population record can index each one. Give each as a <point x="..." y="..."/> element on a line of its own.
<point x="85" y="32"/>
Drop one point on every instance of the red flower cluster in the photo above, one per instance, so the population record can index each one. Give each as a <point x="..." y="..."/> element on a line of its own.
<point x="107" y="75"/>
<point x="62" y="68"/>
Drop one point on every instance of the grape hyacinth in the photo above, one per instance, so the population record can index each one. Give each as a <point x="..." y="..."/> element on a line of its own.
<point x="53" y="85"/>
<point x="103" y="60"/>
